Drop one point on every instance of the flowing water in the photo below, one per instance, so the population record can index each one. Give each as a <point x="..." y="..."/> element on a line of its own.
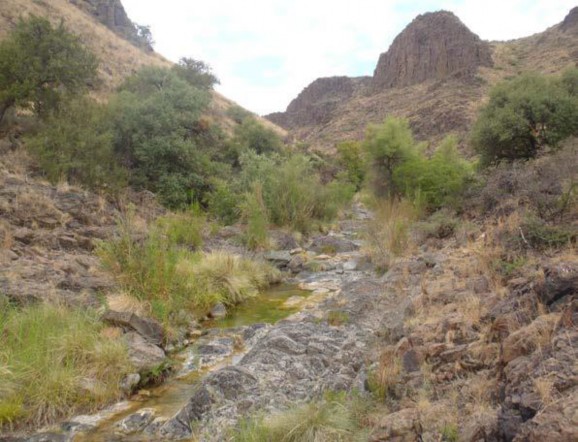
<point x="172" y="395"/>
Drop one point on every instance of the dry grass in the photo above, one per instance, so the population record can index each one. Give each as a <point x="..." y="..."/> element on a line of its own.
<point x="388" y="232"/>
<point x="124" y="302"/>
<point x="387" y="375"/>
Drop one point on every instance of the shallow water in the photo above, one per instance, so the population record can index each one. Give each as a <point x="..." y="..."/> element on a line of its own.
<point x="170" y="397"/>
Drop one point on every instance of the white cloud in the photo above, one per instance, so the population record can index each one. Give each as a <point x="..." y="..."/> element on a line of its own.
<point x="266" y="51"/>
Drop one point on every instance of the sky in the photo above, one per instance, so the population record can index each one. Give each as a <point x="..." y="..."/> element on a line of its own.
<point x="266" y="51"/>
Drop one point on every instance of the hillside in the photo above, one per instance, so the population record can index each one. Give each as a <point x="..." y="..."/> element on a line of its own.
<point x="105" y="34"/>
<point x="436" y="73"/>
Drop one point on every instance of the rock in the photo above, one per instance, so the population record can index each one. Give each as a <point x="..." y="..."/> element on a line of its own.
<point x="402" y="426"/>
<point x="332" y="244"/>
<point x="150" y="329"/>
<point x="318" y="101"/>
<point x="279" y="258"/>
<point x="283" y="240"/>
<point x="129" y="382"/>
<point x="135" y="422"/>
<point x="296" y="263"/>
<point x="350" y="266"/>
<point x="557" y="422"/>
<point x="561" y="281"/>
<point x="528" y="339"/>
<point x="570" y="23"/>
<point x="48" y="437"/>
<point x="143" y="354"/>
<point x="435" y="45"/>
<point x="219" y="311"/>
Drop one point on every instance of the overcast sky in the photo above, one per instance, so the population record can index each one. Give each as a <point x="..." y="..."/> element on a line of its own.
<point x="266" y="51"/>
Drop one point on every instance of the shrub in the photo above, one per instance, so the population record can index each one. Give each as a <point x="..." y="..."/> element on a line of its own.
<point x="351" y="160"/>
<point x="437" y="181"/>
<point x="40" y="63"/>
<point x="196" y="72"/>
<point x="256" y="218"/>
<point x="76" y="144"/>
<point x="159" y="136"/>
<point x="56" y="362"/>
<point x="250" y="134"/>
<point x="524" y="115"/>
<point x="388" y="146"/>
<point x="223" y="203"/>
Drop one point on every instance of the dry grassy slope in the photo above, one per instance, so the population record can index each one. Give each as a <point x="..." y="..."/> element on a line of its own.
<point x="438" y="108"/>
<point x="119" y="58"/>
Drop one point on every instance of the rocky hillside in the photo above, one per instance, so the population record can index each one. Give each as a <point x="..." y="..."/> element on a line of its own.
<point x="435" y="73"/>
<point x="106" y="29"/>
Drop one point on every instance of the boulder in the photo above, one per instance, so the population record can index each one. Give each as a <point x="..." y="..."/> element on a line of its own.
<point x="150" y="329"/>
<point x="143" y="354"/>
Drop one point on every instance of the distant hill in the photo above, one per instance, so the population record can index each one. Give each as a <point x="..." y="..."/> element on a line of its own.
<point x="436" y="73"/>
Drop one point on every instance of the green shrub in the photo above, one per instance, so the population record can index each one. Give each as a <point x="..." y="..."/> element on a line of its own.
<point x="250" y="134"/>
<point x="76" y="145"/>
<point x="223" y="203"/>
<point x="524" y="115"/>
<point x="40" y="63"/>
<point x="55" y="362"/>
<point x="542" y="236"/>
<point x="441" y="224"/>
<point x="196" y="72"/>
<point x="159" y="136"/>
<point x="256" y="219"/>
<point x="351" y="160"/>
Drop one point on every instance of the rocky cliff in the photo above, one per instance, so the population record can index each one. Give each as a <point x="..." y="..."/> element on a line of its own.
<point x="317" y="102"/>
<point x="433" y="46"/>
<point x="435" y="73"/>
<point x="112" y="14"/>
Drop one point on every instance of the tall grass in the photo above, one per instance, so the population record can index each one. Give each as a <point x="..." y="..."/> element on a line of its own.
<point x="163" y="269"/>
<point x="388" y="233"/>
<point x="328" y="420"/>
<point x="55" y="362"/>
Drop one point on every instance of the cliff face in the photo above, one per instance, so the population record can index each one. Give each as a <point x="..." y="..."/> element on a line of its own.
<point x="112" y="14"/>
<point x="570" y="23"/>
<point x="433" y="46"/>
<point x="316" y="104"/>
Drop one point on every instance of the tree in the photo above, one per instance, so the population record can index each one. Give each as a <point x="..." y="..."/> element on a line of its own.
<point x="251" y="134"/>
<point x="196" y="72"/>
<point x="387" y="146"/>
<point x="156" y="119"/>
<point x="40" y="63"/>
<point x="524" y="115"/>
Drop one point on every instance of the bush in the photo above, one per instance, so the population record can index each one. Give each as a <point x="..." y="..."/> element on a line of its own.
<point x="525" y="115"/>
<point x="55" y="362"/>
<point x="223" y="203"/>
<point x="351" y="160"/>
<point x="250" y="134"/>
<point x="159" y="136"/>
<point x="196" y="72"/>
<point x="76" y="144"/>
<point x="40" y="63"/>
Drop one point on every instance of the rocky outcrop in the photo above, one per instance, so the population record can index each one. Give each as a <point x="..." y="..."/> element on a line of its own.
<point x="570" y="23"/>
<point x="434" y="46"/>
<point x="316" y="104"/>
<point x="112" y="14"/>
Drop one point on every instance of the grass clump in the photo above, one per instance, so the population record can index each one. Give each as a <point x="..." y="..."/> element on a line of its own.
<point x="55" y="362"/>
<point x="164" y="269"/>
<point x="334" y="418"/>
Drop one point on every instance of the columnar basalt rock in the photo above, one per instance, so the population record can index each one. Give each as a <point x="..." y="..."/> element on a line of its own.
<point x="433" y="46"/>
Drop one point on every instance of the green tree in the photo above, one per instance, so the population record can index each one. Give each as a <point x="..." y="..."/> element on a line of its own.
<point x="251" y="134"/>
<point x="40" y="63"/>
<point x="351" y="160"/>
<point x="196" y="72"/>
<point x="525" y="115"/>
<point x="387" y="146"/>
<point x="158" y="135"/>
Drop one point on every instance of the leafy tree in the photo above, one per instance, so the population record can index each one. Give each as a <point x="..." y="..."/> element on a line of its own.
<point x="196" y="72"/>
<point x="40" y="63"/>
<point x="388" y="146"/>
<point x="158" y="135"/>
<point x="251" y="134"/>
<point x="525" y="115"/>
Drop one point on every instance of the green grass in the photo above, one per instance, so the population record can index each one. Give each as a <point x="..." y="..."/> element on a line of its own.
<point x="164" y="269"/>
<point x="54" y="362"/>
